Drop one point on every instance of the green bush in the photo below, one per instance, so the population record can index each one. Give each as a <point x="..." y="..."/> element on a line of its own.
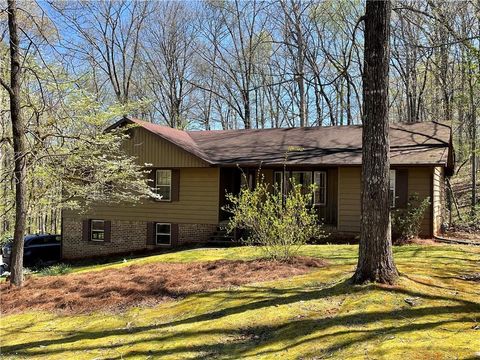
<point x="59" y="269"/>
<point x="406" y="222"/>
<point x="279" y="224"/>
<point x="5" y="238"/>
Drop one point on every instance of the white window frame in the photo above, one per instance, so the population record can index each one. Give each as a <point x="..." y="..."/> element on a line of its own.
<point x="392" y="186"/>
<point x="157" y="185"/>
<point x="320" y="188"/>
<point x="101" y="231"/>
<point x="159" y="233"/>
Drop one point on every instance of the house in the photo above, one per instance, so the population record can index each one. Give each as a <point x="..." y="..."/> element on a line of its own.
<point x="193" y="170"/>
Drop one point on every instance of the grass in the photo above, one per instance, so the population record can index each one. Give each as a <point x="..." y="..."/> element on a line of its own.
<point x="313" y="316"/>
<point x="58" y="269"/>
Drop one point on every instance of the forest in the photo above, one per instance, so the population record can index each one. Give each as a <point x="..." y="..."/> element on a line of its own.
<point x="219" y="65"/>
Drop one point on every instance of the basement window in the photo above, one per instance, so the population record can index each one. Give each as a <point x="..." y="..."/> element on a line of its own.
<point x="163" y="233"/>
<point x="97" y="230"/>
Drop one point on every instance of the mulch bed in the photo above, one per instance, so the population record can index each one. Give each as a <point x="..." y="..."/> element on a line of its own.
<point x="142" y="285"/>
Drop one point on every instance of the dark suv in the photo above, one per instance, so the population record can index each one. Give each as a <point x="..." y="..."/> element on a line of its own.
<point x="39" y="249"/>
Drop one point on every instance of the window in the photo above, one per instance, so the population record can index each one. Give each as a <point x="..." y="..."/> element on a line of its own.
<point x="248" y="179"/>
<point x="393" y="175"/>
<point x="163" y="184"/>
<point x="278" y="181"/>
<point x="97" y="230"/>
<point x="163" y="234"/>
<point x="303" y="178"/>
<point x="320" y="194"/>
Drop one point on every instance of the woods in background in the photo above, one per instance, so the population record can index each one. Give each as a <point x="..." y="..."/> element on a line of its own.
<point x="232" y="64"/>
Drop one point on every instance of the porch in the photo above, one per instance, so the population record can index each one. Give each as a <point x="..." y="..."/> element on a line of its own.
<point x="325" y="198"/>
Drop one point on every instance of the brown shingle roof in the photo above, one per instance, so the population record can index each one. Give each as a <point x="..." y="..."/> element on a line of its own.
<point x="418" y="143"/>
<point x="425" y="143"/>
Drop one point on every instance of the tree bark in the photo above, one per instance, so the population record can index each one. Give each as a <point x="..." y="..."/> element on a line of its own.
<point x="19" y="146"/>
<point x="473" y="124"/>
<point x="375" y="261"/>
<point x="300" y="75"/>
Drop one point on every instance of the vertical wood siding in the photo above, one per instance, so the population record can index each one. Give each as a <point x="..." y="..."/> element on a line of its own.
<point x="420" y="182"/>
<point x="349" y="200"/>
<point x="438" y="199"/>
<point x="152" y="149"/>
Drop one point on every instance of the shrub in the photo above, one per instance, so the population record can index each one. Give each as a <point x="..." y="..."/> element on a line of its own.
<point x="406" y="222"/>
<point x="59" y="269"/>
<point x="279" y="223"/>
<point x="5" y="239"/>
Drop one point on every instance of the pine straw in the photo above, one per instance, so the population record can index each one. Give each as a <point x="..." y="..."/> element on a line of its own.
<point x="142" y="285"/>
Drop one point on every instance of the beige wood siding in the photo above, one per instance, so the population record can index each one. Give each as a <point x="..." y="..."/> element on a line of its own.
<point x="198" y="203"/>
<point x="152" y="149"/>
<point x="438" y="199"/>
<point x="349" y="196"/>
<point x="349" y="200"/>
<point x="420" y="182"/>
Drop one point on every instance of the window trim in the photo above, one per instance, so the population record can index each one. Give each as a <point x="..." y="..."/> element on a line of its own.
<point x="288" y="175"/>
<point x="169" y="186"/>
<point x="392" y="181"/>
<point x="282" y="176"/>
<point x="102" y="231"/>
<point x="158" y="233"/>
<point x="324" y="189"/>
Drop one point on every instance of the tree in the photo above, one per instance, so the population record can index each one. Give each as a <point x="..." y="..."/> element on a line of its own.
<point x="19" y="145"/>
<point x="63" y="147"/>
<point x="107" y="36"/>
<point x="168" y="61"/>
<point x="235" y="35"/>
<point x="294" y="41"/>
<point x="375" y="260"/>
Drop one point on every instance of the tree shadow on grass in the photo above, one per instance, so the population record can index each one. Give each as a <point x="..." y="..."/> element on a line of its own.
<point x="263" y="297"/>
<point x="425" y="283"/>
<point x="269" y="335"/>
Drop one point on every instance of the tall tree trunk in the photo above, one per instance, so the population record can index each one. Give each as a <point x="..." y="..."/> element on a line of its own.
<point x="375" y="261"/>
<point x="473" y="124"/>
<point x="246" y="109"/>
<point x="18" y="136"/>
<point x="300" y="75"/>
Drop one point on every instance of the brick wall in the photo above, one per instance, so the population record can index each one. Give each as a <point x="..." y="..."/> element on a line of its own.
<point x="126" y="236"/>
<point x="195" y="233"/>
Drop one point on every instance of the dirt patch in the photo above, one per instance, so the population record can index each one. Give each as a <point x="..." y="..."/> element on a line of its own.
<point x="142" y="285"/>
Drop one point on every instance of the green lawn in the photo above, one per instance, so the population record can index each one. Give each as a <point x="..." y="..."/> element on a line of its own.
<point x="313" y="316"/>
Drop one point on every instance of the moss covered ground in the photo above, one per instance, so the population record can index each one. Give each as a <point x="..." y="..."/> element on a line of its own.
<point x="432" y="313"/>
